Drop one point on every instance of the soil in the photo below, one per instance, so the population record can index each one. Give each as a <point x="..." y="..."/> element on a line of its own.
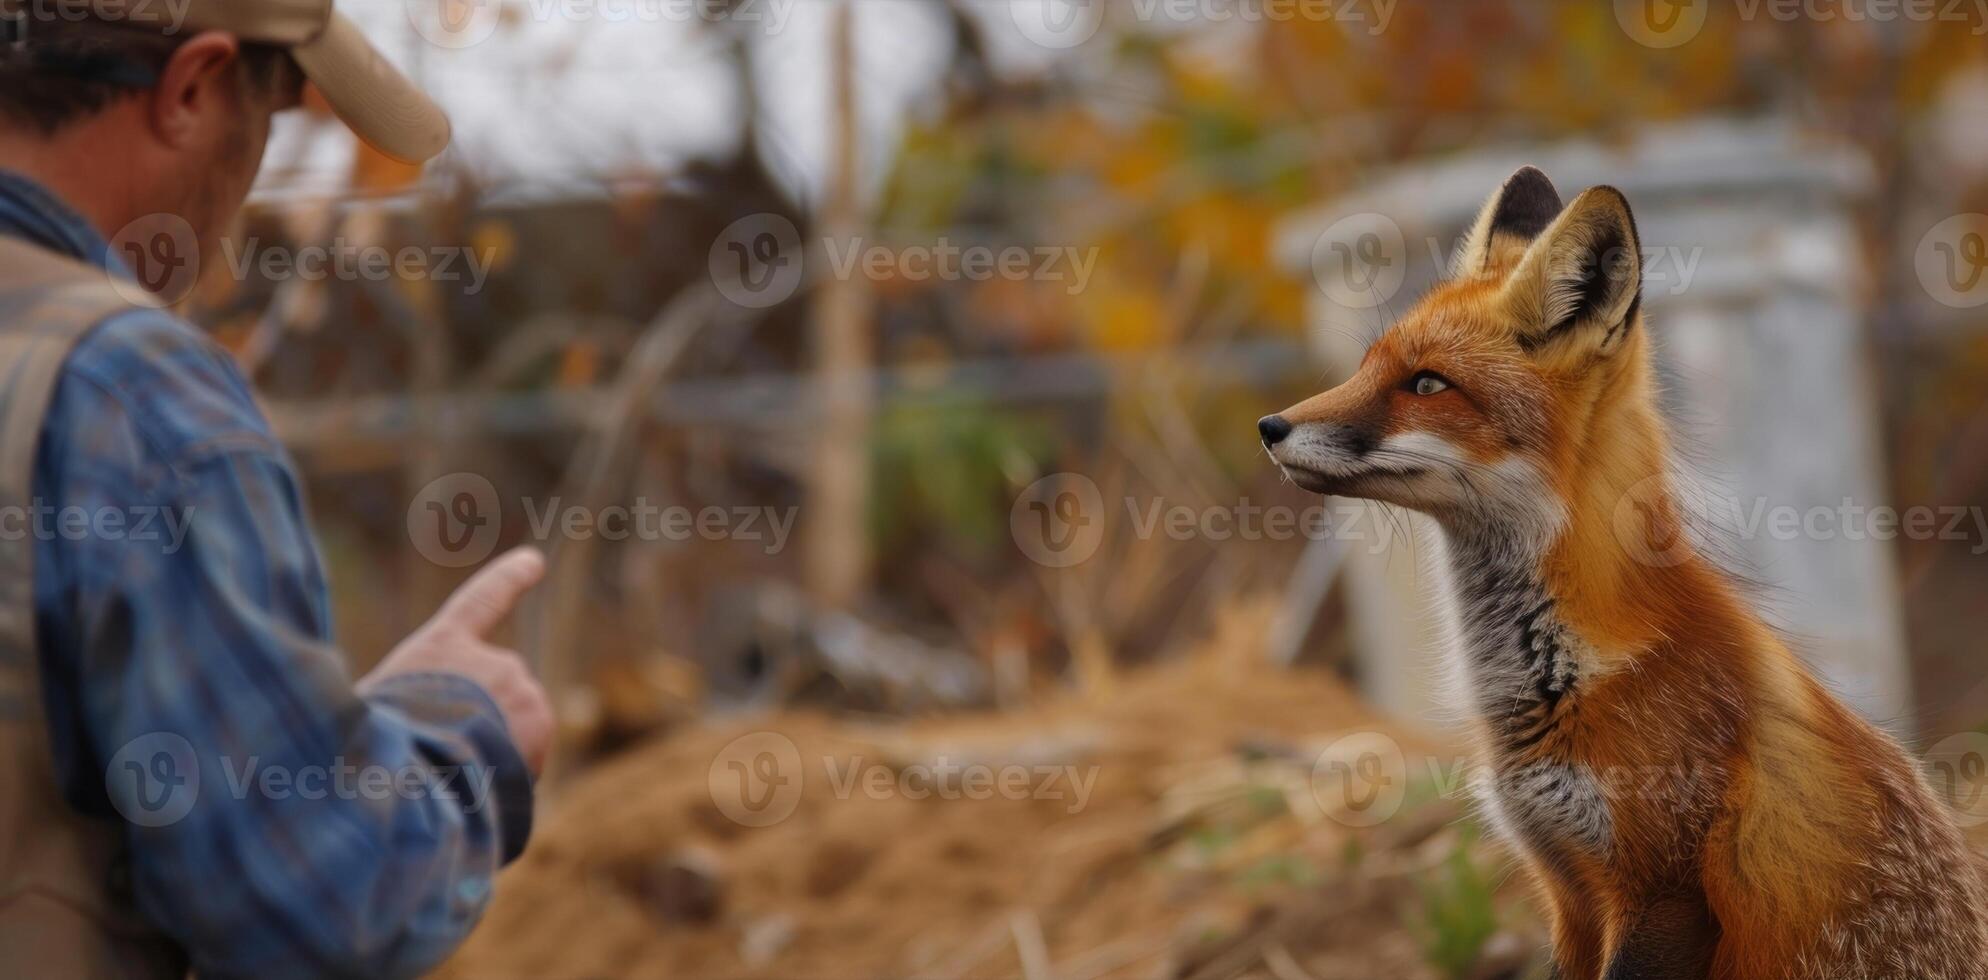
<point x="1200" y="845"/>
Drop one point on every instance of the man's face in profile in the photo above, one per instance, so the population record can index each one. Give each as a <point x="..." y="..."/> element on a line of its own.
<point x="223" y="168"/>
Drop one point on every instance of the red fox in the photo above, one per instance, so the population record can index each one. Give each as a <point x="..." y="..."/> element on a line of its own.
<point x="1787" y="837"/>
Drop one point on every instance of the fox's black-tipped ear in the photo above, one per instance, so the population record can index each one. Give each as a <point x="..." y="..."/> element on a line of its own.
<point x="1511" y="219"/>
<point x="1580" y="283"/>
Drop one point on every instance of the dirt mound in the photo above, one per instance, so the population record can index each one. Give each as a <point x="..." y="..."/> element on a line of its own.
<point x="1156" y="829"/>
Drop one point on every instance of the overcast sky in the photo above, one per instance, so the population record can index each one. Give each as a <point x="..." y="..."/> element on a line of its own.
<point x="551" y="96"/>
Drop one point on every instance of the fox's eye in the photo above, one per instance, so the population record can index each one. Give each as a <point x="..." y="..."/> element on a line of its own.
<point x="1427" y="383"/>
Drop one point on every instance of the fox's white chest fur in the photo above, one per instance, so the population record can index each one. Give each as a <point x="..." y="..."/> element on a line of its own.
<point x="1521" y="665"/>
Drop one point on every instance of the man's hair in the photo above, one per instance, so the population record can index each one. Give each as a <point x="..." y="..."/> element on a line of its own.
<point x="55" y="71"/>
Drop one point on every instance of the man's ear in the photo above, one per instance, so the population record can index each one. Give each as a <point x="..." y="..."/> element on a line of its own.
<point x="1581" y="281"/>
<point x="196" y="89"/>
<point x="1510" y="220"/>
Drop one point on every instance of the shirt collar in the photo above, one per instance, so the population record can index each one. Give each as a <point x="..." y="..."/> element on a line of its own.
<point x="33" y="212"/>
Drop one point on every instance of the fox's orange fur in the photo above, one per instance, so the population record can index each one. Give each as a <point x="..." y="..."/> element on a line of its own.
<point x="1690" y="801"/>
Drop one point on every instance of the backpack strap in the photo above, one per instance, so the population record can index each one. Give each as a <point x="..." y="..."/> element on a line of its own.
<point x="47" y="303"/>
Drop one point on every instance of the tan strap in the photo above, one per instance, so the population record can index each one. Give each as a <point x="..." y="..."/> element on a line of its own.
<point x="47" y="303"/>
<point x="64" y="908"/>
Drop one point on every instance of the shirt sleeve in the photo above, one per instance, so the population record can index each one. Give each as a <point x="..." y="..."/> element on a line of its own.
<point x="278" y="823"/>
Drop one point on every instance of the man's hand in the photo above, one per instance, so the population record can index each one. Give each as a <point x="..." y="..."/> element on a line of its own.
<point x="453" y="642"/>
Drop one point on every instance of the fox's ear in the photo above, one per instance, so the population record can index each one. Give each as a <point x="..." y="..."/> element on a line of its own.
<point x="1511" y="219"/>
<point x="1581" y="281"/>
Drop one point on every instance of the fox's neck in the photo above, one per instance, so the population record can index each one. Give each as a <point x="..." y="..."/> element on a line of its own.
<point x="1520" y="657"/>
<point x="1560" y="586"/>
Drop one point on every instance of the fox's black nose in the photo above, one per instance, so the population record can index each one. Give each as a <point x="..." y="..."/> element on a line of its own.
<point x="1273" y="428"/>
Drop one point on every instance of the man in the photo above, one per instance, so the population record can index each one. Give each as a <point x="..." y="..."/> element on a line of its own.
<point x="187" y="775"/>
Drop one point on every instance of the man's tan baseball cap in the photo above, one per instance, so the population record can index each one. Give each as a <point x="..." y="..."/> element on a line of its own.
<point x="375" y="99"/>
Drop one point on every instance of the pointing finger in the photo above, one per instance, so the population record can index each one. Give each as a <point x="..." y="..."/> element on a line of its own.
<point x="487" y="599"/>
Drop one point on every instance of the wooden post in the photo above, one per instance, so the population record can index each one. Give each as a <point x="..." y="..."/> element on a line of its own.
<point x="838" y="560"/>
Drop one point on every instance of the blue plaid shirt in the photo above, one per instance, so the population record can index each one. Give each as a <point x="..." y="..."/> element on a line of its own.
<point x="278" y="823"/>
